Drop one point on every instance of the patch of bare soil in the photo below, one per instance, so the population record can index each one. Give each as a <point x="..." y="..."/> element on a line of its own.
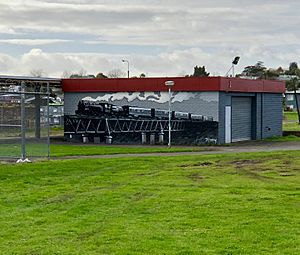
<point x="204" y="163"/>
<point x="251" y="168"/>
<point x="286" y="173"/>
<point x="196" y="177"/>
<point x="246" y="162"/>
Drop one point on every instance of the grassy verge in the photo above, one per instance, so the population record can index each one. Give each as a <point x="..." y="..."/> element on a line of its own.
<point x="216" y="204"/>
<point x="289" y="138"/>
<point x="291" y="126"/>
<point x="16" y="132"/>
<point x="290" y="116"/>
<point x="290" y="122"/>
<point x="57" y="150"/>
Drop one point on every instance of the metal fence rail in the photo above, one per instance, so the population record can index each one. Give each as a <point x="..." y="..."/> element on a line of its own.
<point x="24" y="128"/>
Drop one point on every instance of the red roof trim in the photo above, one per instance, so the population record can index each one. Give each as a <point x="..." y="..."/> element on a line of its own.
<point x="181" y="84"/>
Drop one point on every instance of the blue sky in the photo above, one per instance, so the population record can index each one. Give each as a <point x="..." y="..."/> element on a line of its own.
<point x="159" y="38"/>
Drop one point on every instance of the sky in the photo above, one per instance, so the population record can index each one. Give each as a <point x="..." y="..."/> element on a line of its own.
<point x="158" y="37"/>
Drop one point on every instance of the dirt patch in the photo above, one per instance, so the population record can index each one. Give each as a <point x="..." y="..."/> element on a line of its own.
<point x="286" y="173"/>
<point x="256" y="176"/>
<point x="86" y="235"/>
<point x="140" y="196"/>
<point x="204" y="163"/>
<point x="196" y="177"/>
<point x="59" y="199"/>
<point x="251" y="168"/>
<point x="246" y="162"/>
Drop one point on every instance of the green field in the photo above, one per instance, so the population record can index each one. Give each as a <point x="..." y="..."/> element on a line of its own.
<point x="290" y="121"/>
<point x="290" y="116"/>
<point x="62" y="150"/>
<point x="288" y="138"/>
<point x="291" y="126"/>
<point x="214" y="204"/>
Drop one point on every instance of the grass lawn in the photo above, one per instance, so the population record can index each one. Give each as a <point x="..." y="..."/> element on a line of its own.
<point x="74" y="150"/>
<point x="290" y="116"/>
<point x="288" y="138"/>
<point x="290" y="121"/>
<point x="290" y="126"/>
<point x="60" y="150"/>
<point x="212" y="204"/>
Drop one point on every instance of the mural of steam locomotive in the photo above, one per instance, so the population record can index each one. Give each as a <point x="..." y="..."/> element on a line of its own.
<point x="100" y="109"/>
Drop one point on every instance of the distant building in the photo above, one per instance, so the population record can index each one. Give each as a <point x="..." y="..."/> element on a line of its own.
<point x="286" y="77"/>
<point x="290" y="100"/>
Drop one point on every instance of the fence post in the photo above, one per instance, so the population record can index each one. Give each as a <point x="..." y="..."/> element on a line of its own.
<point x="23" y="159"/>
<point x="23" y="120"/>
<point x="48" y="120"/>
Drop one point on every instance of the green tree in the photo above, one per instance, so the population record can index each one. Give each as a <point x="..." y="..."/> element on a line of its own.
<point x="279" y="70"/>
<point x="101" y="76"/>
<point x="293" y="85"/>
<point x="258" y="70"/>
<point x="200" y="72"/>
<point x="271" y="74"/>
<point x="293" y="69"/>
<point x="116" y="73"/>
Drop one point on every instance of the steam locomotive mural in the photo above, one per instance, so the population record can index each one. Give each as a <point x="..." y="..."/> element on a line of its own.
<point x="100" y="109"/>
<point x="135" y="118"/>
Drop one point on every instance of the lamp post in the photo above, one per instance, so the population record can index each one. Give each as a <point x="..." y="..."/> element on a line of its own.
<point x="234" y="63"/>
<point x="169" y="84"/>
<point x="124" y="60"/>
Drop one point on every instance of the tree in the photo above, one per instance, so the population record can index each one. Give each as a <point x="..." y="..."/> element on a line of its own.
<point x="37" y="73"/>
<point x="293" y="69"/>
<point x="66" y="74"/>
<point x="257" y="71"/>
<point x="101" y="76"/>
<point x="293" y="84"/>
<point x="280" y="70"/>
<point x="116" y="73"/>
<point x="81" y="74"/>
<point x="271" y="74"/>
<point x="294" y="74"/>
<point x="142" y="75"/>
<point x="200" y="72"/>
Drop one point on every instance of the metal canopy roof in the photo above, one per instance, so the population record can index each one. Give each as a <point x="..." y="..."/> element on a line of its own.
<point x="9" y="80"/>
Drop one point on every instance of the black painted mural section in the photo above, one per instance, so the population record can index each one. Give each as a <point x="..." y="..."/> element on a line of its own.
<point x="196" y="133"/>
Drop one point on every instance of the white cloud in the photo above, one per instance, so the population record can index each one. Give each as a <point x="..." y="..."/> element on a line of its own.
<point x="32" y="42"/>
<point x="170" y="63"/>
<point x="187" y="33"/>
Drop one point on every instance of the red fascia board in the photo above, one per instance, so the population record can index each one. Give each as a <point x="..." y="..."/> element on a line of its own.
<point x="181" y="84"/>
<point x="274" y="86"/>
<point x="244" y="85"/>
<point x="141" y="84"/>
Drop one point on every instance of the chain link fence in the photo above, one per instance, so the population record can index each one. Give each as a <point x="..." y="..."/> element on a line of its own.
<point x="24" y="121"/>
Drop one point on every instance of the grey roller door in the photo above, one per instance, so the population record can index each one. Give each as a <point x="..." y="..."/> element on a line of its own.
<point x="241" y="119"/>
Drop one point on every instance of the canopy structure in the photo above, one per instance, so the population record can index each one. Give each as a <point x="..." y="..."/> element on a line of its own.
<point x="6" y="80"/>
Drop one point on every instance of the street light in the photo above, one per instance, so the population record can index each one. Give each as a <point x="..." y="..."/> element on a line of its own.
<point x="234" y="63"/>
<point x="124" y="60"/>
<point x="169" y="84"/>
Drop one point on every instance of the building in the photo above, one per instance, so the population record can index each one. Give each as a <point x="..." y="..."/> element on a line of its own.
<point x="290" y="100"/>
<point x="233" y="109"/>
